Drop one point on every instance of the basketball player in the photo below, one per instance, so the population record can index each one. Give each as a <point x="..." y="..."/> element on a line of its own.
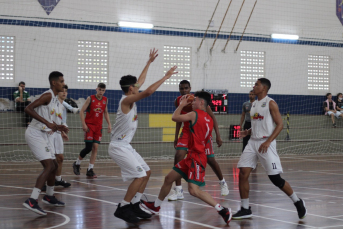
<point x="181" y="146"/>
<point x="262" y="145"/>
<point x="192" y="168"/>
<point x="132" y="165"/>
<point x="245" y="117"/>
<point x="96" y="107"/>
<point x="43" y="111"/>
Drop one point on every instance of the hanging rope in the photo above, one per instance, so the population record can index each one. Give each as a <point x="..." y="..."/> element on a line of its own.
<point x="220" y="26"/>
<point x="208" y="25"/>
<point x="233" y="27"/>
<point x="246" y="26"/>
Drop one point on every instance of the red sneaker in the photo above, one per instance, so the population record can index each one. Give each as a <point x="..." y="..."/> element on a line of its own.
<point x="150" y="206"/>
<point x="226" y="214"/>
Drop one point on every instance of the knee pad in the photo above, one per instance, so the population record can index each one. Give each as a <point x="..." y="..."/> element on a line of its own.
<point x="87" y="149"/>
<point x="277" y="180"/>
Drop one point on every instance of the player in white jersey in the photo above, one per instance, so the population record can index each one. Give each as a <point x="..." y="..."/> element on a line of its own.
<point x="262" y="146"/>
<point x="132" y="165"/>
<point x="43" y="111"/>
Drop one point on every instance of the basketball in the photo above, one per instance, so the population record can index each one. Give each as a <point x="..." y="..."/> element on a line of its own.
<point x="189" y="108"/>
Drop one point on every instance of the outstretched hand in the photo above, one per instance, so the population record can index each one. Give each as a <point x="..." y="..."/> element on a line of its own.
<point x="184" y="101"/>
<point x="153" y="54"/>
<point x="171" y="72"/>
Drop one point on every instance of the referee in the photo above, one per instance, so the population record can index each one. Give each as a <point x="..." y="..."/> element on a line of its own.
<point x="246" y="116"/>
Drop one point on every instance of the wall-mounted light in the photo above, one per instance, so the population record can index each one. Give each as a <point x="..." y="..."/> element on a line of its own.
<point x="137" y="25"/>
<point x="285" y="36"/>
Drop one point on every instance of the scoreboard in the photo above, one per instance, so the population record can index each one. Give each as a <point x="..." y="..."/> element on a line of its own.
<point x="218" y="100"/>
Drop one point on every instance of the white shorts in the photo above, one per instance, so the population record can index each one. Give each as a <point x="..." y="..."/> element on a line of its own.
<point x="269" y="160"/>
<point x="131" y="163"/>
<point x="39" y="143"/>
<point x="57" y="141"/>
<point x="337" y="114"/>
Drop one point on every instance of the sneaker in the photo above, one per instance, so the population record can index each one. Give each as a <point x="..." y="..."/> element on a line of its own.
<point x="243" y="214"/>
<point x="90" y="173"/>
<point x="139" y="212"/>
<point x="226" y="214"/>
<point x="52" y="201"/>
<point x="62" y="183"/>
<point x="224" y="188"/>
<point x="126" y="213"/>
<point x="334" y="125"/>
<point x="76" y="168"/>
<point x="32" y="205"/>
<point x="150" y="206"/>
<point x="301" y="208"/>
<point x="177" y="194"/>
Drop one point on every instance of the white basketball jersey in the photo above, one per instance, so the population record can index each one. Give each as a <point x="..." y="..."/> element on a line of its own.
<point x="46" y="111"/>
<point x="126" y="125"/>
<point x="262" y="124"/>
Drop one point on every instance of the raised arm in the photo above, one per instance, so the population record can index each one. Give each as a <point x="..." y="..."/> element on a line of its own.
<point x="82" y="115"/>
<point x="152" y="56"/>
<point x="215" y="125"/>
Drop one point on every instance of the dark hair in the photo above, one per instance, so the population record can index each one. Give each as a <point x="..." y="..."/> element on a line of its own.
<point x="21" y="82"/>
<point x="204" y="96"/>
<point x="185" y="82"/>
<point x="327" y="94"/>
<point x="126" y="81"/>
<point x="251" y="91"/>
<point x="338" y="95"/>
<point x="65" y="86"/>
<point x="265" y="82"/>
<point x="54" y="76"/>
<point x="102" y="85"/>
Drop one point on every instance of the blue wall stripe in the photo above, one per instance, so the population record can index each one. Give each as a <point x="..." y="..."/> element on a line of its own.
<point x="160" y="32"/>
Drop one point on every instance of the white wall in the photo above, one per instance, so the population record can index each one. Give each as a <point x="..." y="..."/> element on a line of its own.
<point x="42" y="50"/>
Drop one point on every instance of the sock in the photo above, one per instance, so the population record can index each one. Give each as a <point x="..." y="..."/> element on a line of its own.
<point x="90" y="166"/>
<point x="35" y="193"/>
<point x="178" y="187"/>
<point x="158" y="202"/>
<point x="137" y="198"/>
<point x="49" y="190"/>
<point x="218" y="207"/>
<point x="123" y="203"/>
<point x="294" y="197"/>
<point x="245" y="203"/>
<point x="58" y="178"/>
<point x="222" y="181"/>
<point x="78" y="161"/>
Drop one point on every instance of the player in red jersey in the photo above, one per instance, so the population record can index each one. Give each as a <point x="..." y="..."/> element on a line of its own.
<point x="96" y="108"/>
<point x="192" y="168"/>
<point x="181" y="146"/>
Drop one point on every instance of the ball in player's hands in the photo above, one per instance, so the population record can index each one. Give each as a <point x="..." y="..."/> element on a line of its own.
<point x="190" y="99"/>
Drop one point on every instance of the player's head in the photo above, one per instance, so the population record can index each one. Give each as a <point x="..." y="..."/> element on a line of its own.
<point x="63" y="95"/>
<point x="201" y="100"/>
<point x="56" y="81"/>
<point x="339" y="96"/>
<point x="185" y="87"/>
<point x="100" y="90"/>
<point x="329" y="95"/>
<point x="129" y="84"/>
<point x="22" y="85"/>
<point x="262" y="85"/>
<point x="252" y="95"/>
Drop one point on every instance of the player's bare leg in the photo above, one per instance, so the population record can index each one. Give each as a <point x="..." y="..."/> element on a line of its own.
<point x="90" y="172"/>
<point x="48" y="168"/>
<point x="145" y="182"/>
<point x="177" y="194"/>
<point x="194" y="190"/>
<point x="58" y="179"/>
<point x="216" y="169"/>
<point x="244" y="186"/>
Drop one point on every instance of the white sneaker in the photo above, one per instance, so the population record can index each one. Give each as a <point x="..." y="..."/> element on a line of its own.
<point x="177" y="194"/>
<point x="224" y="188"/>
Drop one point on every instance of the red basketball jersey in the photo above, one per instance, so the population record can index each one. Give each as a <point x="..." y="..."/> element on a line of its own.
<point x="95" y="110"/>
<point x="185" y="124"/>
<point x="200" y="132"/>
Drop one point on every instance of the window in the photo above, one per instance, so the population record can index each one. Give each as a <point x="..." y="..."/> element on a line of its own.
<point x="6" y="58"/>
<point x="318" y="73"/>
<point x="92" y="62"/>
<point x="181" y="57"/>
<point x="252" y="67"/>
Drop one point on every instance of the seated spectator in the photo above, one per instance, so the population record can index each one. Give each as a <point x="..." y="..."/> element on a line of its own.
<point x="330" y="109"/>
<point x="21" y="99"/>
<point x="339" y="103"/>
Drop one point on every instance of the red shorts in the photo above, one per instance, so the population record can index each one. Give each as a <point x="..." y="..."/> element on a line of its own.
<point x="182" y="144"/>
<point x="94" y="134"/>
<point x="191" y="170"/>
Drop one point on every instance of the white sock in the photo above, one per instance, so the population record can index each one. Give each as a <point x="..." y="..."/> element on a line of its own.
<point x="294" y="197"/>
<point x="222" y="181"/>
<point x="218" y="207"/>
<point x="49" y="190"/>
<point x="245" y="203"/>
<point x="123" y="203"/>
<point x="58" y="178"/>
<point x="78" y="161"/>
<point x="35" y="193"/>
<point x="158" y="202"/>
<point x="178" y="187"/>
<point x="90" y="166"/>
<point x="137" y="198"/>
